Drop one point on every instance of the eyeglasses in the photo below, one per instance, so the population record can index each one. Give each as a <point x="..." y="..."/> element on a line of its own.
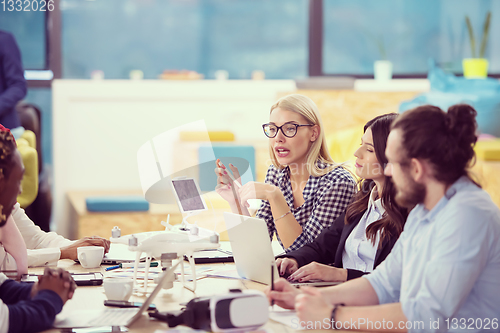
<point x="288" y="129"/>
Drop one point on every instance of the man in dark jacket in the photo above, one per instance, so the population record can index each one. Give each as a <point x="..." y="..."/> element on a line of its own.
<point x="12" y="82"/>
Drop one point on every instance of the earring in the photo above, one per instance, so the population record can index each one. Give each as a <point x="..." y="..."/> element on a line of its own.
<point x="3" y="218"/>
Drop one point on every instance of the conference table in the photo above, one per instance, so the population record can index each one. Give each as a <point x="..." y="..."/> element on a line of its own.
<point x="92" y="297"/>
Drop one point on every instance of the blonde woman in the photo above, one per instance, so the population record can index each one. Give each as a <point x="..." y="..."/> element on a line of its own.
<point x="304" y="190"/>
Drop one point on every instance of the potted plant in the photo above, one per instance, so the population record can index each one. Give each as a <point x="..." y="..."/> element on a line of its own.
<point x="477" y="66"/>
<point x="382" y="69"/>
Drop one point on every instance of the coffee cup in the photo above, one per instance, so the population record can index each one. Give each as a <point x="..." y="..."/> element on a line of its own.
<point x="90" y="256"/>
<point x="118" y="289"/>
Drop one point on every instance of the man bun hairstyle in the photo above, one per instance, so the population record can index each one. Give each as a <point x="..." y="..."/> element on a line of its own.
<point x="445" y="139"/>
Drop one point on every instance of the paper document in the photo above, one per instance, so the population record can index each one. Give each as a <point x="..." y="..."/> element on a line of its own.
<point x="285" y="317"/>
<point x="129" y="273"/>
<point x="224" y="272"/>
<point x="201" y="272"/>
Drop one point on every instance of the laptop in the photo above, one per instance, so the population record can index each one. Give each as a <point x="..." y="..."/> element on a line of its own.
<point x="118" y="254"/>
<point x="251" y="247"/>
<point x="110" y="316"/>
<point x="252" y="250"/>
<point x="211" y="256"/>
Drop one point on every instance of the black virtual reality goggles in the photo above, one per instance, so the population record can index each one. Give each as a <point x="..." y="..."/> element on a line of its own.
<point x="236" y="310"/>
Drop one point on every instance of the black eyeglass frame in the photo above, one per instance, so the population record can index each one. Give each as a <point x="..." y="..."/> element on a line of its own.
<point x="280" y="128"/>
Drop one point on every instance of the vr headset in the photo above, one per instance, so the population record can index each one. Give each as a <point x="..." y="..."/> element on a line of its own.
<point x="236" y="310"/>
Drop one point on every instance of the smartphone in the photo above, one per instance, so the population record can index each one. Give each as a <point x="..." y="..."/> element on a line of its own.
<point x="88" y="279"/>
<point x="29" y="278"/>
<point x="125" y="304"/>
<point x="100" y="329"/>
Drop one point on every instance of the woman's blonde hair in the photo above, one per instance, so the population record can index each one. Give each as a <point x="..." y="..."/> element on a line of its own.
<point x="318" y="152"/>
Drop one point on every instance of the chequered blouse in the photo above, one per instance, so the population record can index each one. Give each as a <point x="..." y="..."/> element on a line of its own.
<point x="325" y="198"/>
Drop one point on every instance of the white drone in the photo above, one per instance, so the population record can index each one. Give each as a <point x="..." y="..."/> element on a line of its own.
<point x="182" y="240"/>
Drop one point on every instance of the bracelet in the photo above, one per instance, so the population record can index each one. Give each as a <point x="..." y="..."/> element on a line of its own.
<point x="335" y="307"/>
<point x="282" y="216"/>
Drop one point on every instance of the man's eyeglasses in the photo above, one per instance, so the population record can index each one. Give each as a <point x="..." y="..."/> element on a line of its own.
<point x="288" y="129"/>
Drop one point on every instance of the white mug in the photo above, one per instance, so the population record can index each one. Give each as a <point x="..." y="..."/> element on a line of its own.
<point x="118" y="289"/>
<point x="90" y="256"/>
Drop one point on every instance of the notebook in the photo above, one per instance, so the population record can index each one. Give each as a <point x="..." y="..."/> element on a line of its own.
<point x="110" y="316"/>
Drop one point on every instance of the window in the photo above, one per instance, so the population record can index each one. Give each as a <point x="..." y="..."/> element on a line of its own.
<point x="239" y="36"/>
<point x="406" y="32"/>
<point x="29" y="30"/>
<point x="37" y="35"/>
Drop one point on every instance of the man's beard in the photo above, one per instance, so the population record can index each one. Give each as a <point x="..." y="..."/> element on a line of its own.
<point x="413" y="194"/>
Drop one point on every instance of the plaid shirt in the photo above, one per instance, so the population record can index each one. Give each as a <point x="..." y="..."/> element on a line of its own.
<point x="325" y="198"/>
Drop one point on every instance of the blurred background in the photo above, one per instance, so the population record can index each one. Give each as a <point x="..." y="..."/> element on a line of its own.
<point x="241" y="36"/>
<point x="78" y="53"/>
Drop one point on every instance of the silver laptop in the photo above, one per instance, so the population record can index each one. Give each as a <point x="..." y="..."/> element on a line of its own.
<point x="119" y="253"/>
<point x="252" y="250"/>
<point x="110" y="316"/>
<point x="251" y="247"/>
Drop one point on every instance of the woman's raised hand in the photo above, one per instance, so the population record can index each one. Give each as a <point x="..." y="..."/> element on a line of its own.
<point x="225" y="183"/>
<point x="255" y="190"/>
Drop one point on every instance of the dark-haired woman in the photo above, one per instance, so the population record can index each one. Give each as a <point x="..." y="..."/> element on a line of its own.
<point x="24" y="307"/>
<point x="361" y="238"/>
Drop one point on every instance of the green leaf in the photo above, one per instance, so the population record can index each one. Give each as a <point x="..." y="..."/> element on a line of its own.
<point x="484" y="39"/>
<point x="471" y="36"/>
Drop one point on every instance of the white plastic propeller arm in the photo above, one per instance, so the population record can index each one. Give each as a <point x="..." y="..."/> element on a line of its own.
<point x="136" y="265"/>
<point x="193" y="270"/>
<point x="146" y="277"/>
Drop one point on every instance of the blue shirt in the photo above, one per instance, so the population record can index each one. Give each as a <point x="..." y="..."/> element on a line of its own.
<point x="445" y="266"/>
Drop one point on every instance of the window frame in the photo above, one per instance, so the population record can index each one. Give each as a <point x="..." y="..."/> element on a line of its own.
<point x="315" y="48"/>
<point x="53" y="61"/>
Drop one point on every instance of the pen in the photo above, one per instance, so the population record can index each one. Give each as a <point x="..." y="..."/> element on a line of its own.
<point x="272" y="282"/>
<point x="130" y="265"/>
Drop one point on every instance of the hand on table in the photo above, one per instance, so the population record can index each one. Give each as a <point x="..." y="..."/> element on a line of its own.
<point x="317" y="271"/>
<point x="70" y="251"/>
<point x="57" y="280"/>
